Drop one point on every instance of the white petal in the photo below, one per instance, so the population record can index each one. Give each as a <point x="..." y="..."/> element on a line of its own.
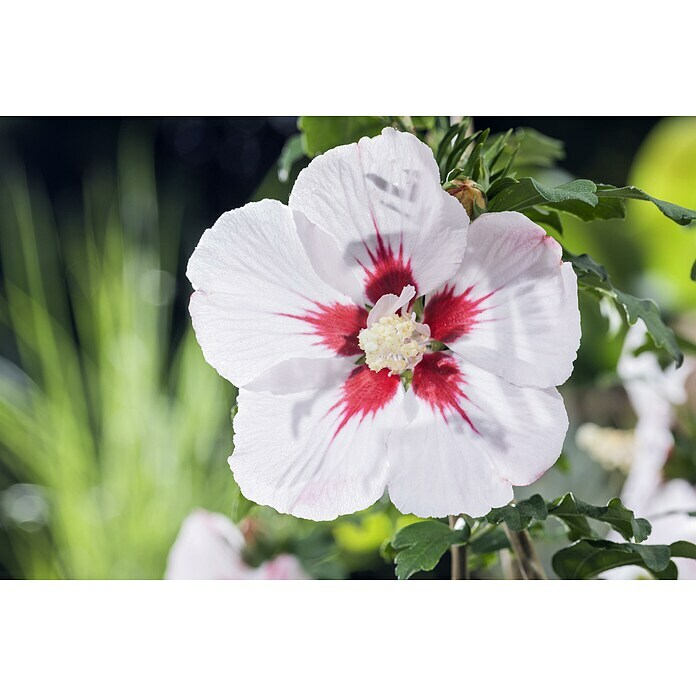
<point x="390" y="304"/>
<point x="316" y="454"/>
<point x="471" y="437"/>
<point x="302" y="374"/>
<point x="258" y="301"/>
<point x="208" y="547"/>
<point x="381" y="200"/>
<point x="512" y="308"/>
<point x="327" y="259"/>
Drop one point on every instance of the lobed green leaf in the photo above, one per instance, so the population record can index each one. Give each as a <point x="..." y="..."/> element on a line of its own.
<point x="574" y="513"/>
<point x="421" y="545"/>
<point x="593" y="278"/>
<point x="519" y="516"/>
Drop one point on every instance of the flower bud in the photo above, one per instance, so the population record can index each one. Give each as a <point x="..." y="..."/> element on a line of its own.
<point x="468" y="194"/>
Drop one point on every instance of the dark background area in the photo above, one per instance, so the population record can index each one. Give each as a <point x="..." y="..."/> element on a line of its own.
<point x="217" y="163"/>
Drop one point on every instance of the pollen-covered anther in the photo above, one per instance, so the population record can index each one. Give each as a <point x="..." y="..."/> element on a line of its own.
<point x="394" y="342"/>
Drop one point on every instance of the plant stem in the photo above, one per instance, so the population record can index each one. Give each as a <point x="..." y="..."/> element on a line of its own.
<point x="509" y="565"/>
<point x="525" y="555"/>
<point x="460" y="569"/>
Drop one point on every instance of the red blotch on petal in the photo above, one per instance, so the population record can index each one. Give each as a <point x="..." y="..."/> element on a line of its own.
<point x="337" y="326"/>
<point x="390" y="272"/>
<point x="364" y="393"/>
<point x="450" y="316"/>
<point x="439" y="382"/>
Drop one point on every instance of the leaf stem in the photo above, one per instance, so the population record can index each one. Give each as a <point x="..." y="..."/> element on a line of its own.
<point x="460" y="568"/>
<point x="525" y="555"/>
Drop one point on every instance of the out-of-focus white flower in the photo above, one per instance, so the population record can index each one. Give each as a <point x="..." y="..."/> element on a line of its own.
<point x="613" y="448"/>
<point x="209" y="547"/>
<point x="654" y="393"/>
<point x="279" y="309"/>
<point x="667" y="512"/>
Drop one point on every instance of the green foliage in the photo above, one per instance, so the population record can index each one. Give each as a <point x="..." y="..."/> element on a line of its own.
<point x="533" y="149"/>
<point x="676" y="213"/>
<point x="594" y="279"/>
<point x="518" y="516"/>
<point x="363" y="534"/>
<point x="549" y="218"/>
<point x="575" y="513"/>
<point x="120" y="424"/>
<point x="665" y="165"/>
<point x="321" y="133"/>
<point x="489" y="159"/>
<point x="491" y="539"/>
<point x="527" y="193"/>
<point x="420" y="546"/>
<point x="590" y="557"/>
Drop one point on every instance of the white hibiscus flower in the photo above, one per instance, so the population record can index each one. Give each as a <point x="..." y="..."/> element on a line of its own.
<point x="209" y="547"/>
<point x="279" y="309"/>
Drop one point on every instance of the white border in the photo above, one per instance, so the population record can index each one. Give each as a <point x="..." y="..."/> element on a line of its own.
<point x="345" y="638"/>
<point x="278" y="57"/>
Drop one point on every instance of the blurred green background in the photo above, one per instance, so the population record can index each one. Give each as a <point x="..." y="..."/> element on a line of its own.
<point x="112" y="426"/>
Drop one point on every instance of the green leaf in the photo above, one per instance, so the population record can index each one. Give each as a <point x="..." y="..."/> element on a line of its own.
<point x="574" y="513"/>
<point x="585" y="264"/>
<point x="680" y="215"/>
<point x="449" y="141"/>
<point x="518" y="516"/>
<point x="321" y="133"/>
<point x="291" y="153"/>
<point x="550" y="218"/>
<point x="590" y="557"/>
<point x="499" y="185"/>
<point x="456" y="154"/>
<point x="492" y="539"/>
<point x="649" y="312"/>
<point x="495" y="148"/>
<point x="683" y="549"/>
<point x="593" y="278"/>
<point x="423" y="122"/>
<point x="536" y="149"/>
<point x="606" y="209"/>
<point x="693" y="271"/>
<point x="527" y="193"/>
<point x="421" y="545"/>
